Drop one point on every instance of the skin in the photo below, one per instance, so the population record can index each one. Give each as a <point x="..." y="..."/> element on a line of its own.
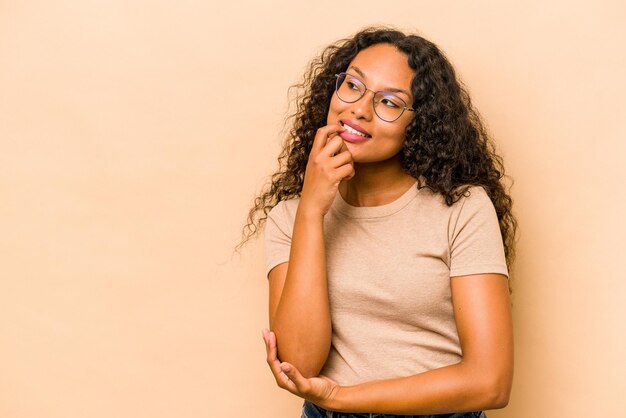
<point x="379" y="178"/>
<point x="369" y="174"/>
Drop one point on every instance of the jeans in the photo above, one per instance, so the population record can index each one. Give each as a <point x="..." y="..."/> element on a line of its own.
<point x="310" y="410"/>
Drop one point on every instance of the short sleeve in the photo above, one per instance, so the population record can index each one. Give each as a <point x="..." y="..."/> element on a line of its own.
<point x="278" y="233"/>
<point x="476" y="242"/>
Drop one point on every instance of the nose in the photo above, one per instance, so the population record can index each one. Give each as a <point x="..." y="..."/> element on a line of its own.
<point x="364" y="107"/>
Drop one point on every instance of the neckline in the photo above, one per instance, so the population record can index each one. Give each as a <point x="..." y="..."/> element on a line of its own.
<point x="343" y="207"/>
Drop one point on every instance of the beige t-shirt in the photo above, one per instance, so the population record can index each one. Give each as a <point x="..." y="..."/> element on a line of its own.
<point x="388" y="272"/>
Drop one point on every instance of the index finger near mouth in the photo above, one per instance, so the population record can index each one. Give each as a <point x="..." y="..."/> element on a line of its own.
<point x="324" y="134"/>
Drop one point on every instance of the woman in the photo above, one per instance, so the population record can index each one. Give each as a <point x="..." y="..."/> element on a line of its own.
<point x="389" y="240"/>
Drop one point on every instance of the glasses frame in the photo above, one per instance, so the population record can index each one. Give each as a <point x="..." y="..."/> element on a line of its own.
<point x="337" y="76"/>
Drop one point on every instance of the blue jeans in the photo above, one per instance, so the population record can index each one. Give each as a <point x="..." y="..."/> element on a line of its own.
<point x="310" y="410"/>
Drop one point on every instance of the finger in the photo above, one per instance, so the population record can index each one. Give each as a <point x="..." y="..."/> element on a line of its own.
<point x="344" y="147"/>
<point x="301" y="383"/>
<point x="268" y="352"/>
<point x="333" y="146"/>
<point x="334" y="133"/>
<point x="324" y="134"/>
<point x="272" y="358"/>
<point x="281" y="377"/>
<point x="346" y="171"/>
<point x="342" y="158"/>
<point x="266" y="341"/>
<point x="272" y="352"/>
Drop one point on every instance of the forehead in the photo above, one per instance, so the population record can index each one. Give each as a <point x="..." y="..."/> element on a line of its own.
<point x="384" y="66"/>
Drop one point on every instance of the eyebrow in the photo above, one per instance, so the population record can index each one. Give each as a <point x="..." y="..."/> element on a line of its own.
<point x="388" y="89"/>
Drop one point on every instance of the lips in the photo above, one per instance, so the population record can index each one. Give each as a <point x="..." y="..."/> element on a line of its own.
<point x="353" y="132"/>
<point x="351" y="127"/>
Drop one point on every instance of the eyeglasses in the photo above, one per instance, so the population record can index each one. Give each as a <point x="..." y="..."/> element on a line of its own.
<point x="387" y="106"/>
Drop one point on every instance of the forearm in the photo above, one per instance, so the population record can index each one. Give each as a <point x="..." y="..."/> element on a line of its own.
<point x="302" y="319"/>
<point x="455" y="388"/>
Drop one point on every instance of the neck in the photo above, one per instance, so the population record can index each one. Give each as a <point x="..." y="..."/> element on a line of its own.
<point x="375" y="184"/>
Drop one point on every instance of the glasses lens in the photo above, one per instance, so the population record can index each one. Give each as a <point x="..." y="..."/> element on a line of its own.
<point x="349" y="88"/>
<point x="388" y="106"/>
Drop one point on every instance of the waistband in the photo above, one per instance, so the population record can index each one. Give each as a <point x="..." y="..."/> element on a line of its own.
<point x="334" y="414"/>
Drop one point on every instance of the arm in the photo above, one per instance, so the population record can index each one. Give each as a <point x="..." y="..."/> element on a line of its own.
<point x="482" y="380"/>
<point x="299" y="308"/>
<point x="299" y="305"/>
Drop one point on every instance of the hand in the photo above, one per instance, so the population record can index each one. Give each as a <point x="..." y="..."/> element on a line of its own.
<point x="329" y="163"/>
<point x="320" y="390"/>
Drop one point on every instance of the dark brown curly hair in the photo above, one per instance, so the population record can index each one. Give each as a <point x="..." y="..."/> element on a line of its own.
<point x="446" y="143"/>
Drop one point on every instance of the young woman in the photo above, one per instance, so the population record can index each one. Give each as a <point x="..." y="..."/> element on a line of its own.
<point x="389" y="239"/>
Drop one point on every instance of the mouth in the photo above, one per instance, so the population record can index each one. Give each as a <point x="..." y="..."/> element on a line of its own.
<point x="354" y="130"/>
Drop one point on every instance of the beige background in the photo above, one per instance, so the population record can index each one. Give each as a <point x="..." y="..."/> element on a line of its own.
<point x="134" y="135"/>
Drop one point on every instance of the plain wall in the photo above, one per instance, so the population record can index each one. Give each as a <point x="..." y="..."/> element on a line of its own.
<point x="135" y="134"/>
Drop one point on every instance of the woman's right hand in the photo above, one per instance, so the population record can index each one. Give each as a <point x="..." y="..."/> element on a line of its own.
<point x="329" y="163"/>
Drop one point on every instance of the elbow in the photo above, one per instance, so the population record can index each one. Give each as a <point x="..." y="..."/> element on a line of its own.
<point x="308" y="367"/>
<point x="309" y="364"/>
<point x="305" y="349"/>
<point x="491" y="384"/>
<point x="309" y="372"/>
<point x="490" y="388"/>
<point x="499" y="399"/>
<point x="497" y="394"/>
<point x="309" y="359"/>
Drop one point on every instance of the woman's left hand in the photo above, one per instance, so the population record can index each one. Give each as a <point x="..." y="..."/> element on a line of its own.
<point x="320" y="390"/>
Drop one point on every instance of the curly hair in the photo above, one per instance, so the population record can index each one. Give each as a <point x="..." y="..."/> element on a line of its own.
<point x="447" y="147"/>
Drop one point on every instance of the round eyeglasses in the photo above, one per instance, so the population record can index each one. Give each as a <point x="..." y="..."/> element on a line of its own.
<point x="387" y="106"/>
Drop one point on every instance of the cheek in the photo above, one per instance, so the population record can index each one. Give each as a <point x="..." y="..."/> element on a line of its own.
<point x="331" y="110"/>
<point x="396" y="135"/>
<point x="334" y="109"/>
<point x="335" y="104"/>
<point x="400" y="131"/>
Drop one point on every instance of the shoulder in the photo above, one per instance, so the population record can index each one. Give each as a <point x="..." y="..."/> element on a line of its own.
<point x="284" y="208"/>
<point x="473" y="211"/>
<point x="284" y="211"/>
<point x="475" y="238"/>
<point x="476" y="196"/>
<point x="471" y="197"/>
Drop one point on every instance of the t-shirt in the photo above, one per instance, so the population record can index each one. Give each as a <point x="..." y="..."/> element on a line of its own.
<point x="388" y="272"/>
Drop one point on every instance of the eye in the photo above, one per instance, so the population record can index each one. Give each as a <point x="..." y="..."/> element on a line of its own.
<point x="352" y="85"/>
<point x="391" y="101"/>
